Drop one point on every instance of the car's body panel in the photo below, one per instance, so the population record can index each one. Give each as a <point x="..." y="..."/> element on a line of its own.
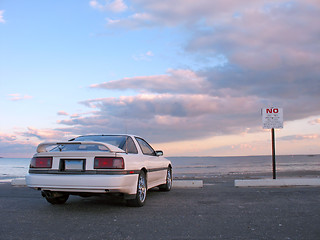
<point x="97" y="183"/>
<point x="92" y="180"/>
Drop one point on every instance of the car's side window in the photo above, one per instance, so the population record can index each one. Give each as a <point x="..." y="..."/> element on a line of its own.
<point x="130" y="146"/>
<point x="145" y="147"/>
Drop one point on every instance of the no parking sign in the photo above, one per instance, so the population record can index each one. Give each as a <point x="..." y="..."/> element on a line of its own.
<point x="272" y="117"/>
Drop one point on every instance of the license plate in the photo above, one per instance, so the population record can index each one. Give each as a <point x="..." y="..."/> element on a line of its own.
<point x="73" y="165"/>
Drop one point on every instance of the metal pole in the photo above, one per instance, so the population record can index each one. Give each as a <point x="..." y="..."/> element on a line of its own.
<point x="273" y="154"/>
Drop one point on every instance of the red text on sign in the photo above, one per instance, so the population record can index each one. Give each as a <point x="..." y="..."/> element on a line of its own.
<point x="272" y="110"/>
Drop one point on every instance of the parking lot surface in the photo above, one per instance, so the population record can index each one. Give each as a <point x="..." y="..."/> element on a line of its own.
<point x="217" y="211"/>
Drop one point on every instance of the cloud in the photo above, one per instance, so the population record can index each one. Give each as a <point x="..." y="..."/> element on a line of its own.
<point x="267" y="52"/>
<point x="181" y="105"/>
<point x="18" y="97"/>
<point x="143" y="56"/>
<point x="196" y="14"/>
<point x="134" y="21"/>
<point x="63" y="113"/>
<point x="174" y="81"/>
<point x="113" y="6"/>
<point x="24" y="143"/>
<point x="176" y="12"/>
<point x="315" y="121"/>
<point x="12" y="146"/>
<point x="43" y="134"/>
<point x="17" y="149"/>
<point x="1" y="16"/>
<point x="168" y="117"/>
<point x="7" y="137"/>
<point x="300" y="137"/>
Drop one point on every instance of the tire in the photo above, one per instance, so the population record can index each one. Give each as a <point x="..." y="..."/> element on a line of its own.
<point x="141" y="194"/>
<point x="61" y="199"/>
<point x="167" y="187"/>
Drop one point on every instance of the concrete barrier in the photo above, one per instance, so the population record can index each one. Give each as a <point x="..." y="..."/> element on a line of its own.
<point x="19" y="182"/>
<point x="287" y="182"/>
<point x="187" y="184"/>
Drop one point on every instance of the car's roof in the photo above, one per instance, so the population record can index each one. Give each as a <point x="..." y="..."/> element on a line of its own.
<point x="121" y="134"/>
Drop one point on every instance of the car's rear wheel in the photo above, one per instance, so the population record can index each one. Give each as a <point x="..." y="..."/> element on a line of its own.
<point x="55" y="198"/>
<point x="141" y="194"/>
<point x="167" y="187"/>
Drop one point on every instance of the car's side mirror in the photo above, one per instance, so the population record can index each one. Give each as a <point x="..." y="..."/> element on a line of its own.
<point x="159" y="153"/>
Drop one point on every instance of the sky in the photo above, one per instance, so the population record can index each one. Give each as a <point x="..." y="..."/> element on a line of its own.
<point x="189" y="76"/>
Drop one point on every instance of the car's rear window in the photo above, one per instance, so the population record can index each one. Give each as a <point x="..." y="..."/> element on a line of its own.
<point x="79" y="147"/>
<point x="115" y="140"/>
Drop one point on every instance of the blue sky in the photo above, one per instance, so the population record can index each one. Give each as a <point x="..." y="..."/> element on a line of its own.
<point x="189" y="76"/>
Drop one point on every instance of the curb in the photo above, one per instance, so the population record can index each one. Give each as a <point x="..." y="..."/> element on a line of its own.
<point x="288" y="182"/>
<point x="187" y="184"/>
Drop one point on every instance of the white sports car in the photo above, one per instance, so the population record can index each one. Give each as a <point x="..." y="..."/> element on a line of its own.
<point x="99" y="164"/>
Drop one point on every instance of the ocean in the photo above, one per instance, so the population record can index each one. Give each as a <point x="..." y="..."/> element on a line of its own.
<point x="214" y="166"/>
<point x="11" y="168"/>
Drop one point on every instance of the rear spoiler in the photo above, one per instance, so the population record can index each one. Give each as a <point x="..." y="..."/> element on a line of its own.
<point x="42" y="147"/>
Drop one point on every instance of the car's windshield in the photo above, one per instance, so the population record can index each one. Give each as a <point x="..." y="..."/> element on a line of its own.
<point x="116" y="140"/>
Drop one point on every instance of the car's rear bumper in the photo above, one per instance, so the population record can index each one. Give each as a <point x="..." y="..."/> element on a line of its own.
<point x="126" y="184"/>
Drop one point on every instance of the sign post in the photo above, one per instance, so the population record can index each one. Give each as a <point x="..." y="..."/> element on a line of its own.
<point x="272" y="118"/>
<point x="273" y="154"/>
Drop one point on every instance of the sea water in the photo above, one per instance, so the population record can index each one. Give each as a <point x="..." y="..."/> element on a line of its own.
<point x="210" y="166"/>
<point x="200" y="166"/>
<point x="13" y="167"/>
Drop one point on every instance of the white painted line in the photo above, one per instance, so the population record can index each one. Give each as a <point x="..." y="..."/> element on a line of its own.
<point x="187" y="183"/>
<point x="286" y="182"/>
<point x="19" y="182"/>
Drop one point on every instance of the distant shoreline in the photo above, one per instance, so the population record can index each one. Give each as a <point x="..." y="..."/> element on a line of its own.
<point x="246" y="156"/>
<point x="263" y="155"/>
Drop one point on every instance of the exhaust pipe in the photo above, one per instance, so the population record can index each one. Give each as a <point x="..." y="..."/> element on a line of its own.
<point x="49" y="194"/>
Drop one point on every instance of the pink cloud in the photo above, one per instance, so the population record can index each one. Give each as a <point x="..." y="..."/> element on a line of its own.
<point x="315" y="121"/>
<point x="113" y="6"/>
<point x="143" y="56"/>
<point x="180" y="116"/>
<point x="62" y="113"/>
<point x="176" y="80"/>
<point x="1" y="16"/>
<point x="44" y="134"/>
<point x="7" y="137"/>
<point x="18" y="97"/>
<point x="300" y="137"/>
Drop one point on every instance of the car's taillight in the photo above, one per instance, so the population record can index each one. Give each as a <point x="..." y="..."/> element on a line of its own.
<point x="41" y="162"/>
<point x="108" y="162"/>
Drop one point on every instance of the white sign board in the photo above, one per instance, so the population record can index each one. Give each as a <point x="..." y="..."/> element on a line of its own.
<point x="272" y="117"/>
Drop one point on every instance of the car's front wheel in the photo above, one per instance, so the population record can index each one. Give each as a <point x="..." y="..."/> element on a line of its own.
<point x="168" y="185"/>
<point x="55" y="198"/>
<point x="141" y="194"/>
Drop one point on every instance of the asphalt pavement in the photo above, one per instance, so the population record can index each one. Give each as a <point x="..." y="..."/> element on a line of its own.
<point x="217" y="211"/>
